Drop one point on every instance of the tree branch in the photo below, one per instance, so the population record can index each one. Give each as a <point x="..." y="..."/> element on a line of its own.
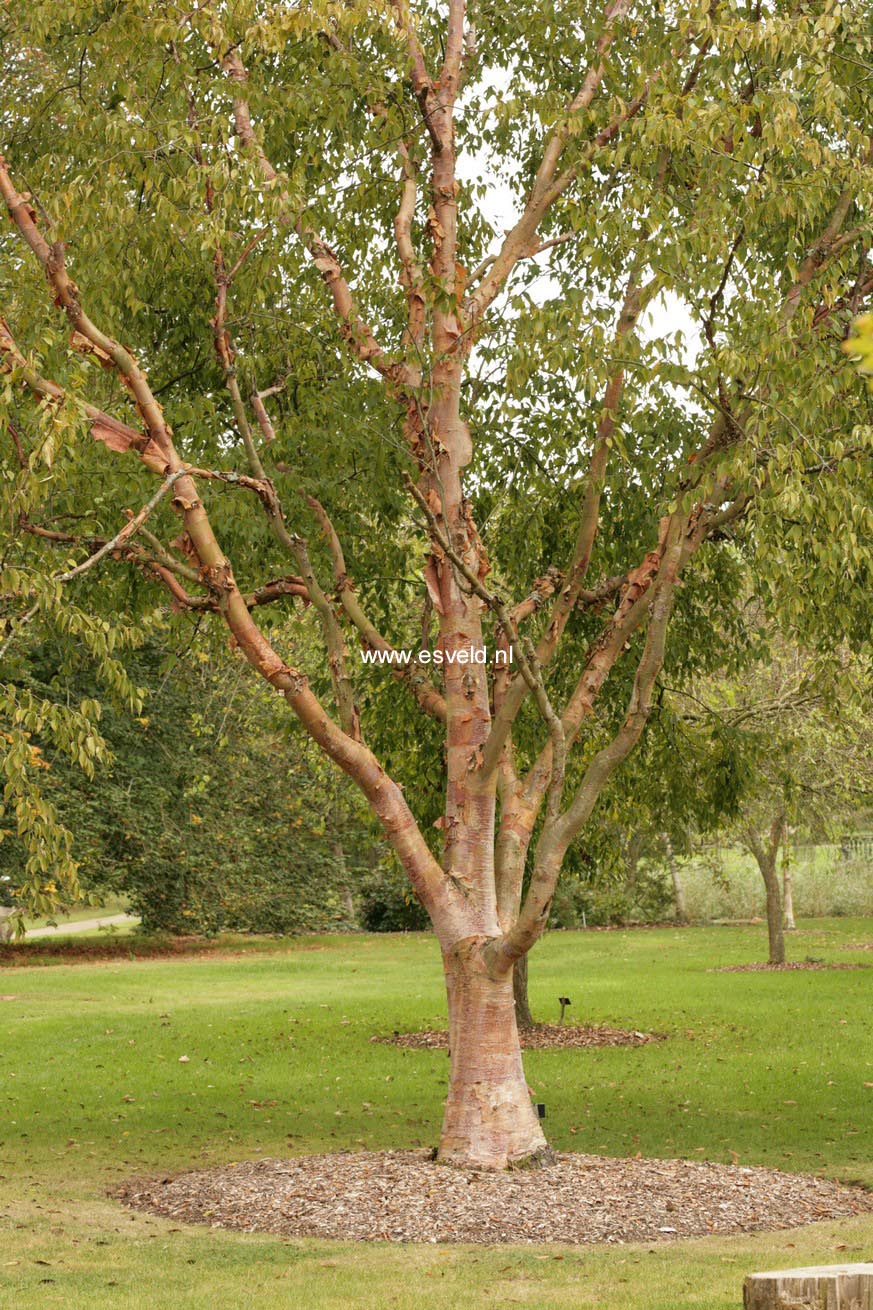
<point x="422" y="83"/>
<point x="385" y="797"/>
<point x="829" y="244"/>
<point x="418" y="683"/>
<point x="528" y="254"/>
<point x="411" y="276"/>
<point x="635" y="300"/>
<point x="548" y="184"/>
<point x="355" y="330"/>
<point x="558" y="832"/>
<point x="295" y="545"/>
<point x="123" y="535"/>
<point x="527" y="660"/>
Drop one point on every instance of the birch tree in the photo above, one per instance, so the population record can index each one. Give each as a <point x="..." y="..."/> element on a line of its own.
<point x="255" y="280"/>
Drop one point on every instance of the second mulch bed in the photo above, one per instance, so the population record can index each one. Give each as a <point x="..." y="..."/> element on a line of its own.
<point x="763" y="967"/>
<point x="402" y="1196"/>
<point x="542" y="1037"/>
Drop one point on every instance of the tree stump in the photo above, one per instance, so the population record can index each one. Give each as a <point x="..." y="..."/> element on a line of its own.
<point x="828" y="1287"/>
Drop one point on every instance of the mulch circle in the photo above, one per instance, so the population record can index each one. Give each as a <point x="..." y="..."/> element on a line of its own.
<point x="763" y="967"/>
<point x="542" y="1037"/>
<point x="402" y="1196"/>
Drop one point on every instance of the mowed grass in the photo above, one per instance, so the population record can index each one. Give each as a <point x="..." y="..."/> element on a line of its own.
<point x="772" y="1069"/>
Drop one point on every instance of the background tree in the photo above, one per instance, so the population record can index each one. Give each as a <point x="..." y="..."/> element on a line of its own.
<point x="239" y="843"/>
<point x="800" y="724"/>
<point x="348" y="382"/>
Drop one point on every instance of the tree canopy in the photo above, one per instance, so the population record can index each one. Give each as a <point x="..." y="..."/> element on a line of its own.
<point x="518" y="327"/>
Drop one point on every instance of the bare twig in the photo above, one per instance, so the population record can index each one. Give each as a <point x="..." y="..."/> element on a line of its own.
<point x="115" y="543"/>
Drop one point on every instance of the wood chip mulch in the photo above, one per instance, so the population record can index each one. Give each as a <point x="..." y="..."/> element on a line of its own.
<point x="542" y="1037"/>
<point x="64" y="950"/>
<point x="402" y="1196"/>
<point x="763" y="967"/>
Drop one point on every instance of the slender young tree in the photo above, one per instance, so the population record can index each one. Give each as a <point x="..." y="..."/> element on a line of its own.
<point x="269" y="234"/>
<point x="799" y="726"/>
<point x="788" y="920"/>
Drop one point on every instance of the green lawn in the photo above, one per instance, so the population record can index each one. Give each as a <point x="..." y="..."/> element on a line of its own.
<point x="772" y="1069"/>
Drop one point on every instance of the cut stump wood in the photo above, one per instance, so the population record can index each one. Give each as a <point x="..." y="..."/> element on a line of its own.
<point x="827" y="1287"/>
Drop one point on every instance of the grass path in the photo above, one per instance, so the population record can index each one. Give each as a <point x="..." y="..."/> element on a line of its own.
<point x="72" y="919"/>
<point x="67" y="927"/>
<point x="772" y="1069"/>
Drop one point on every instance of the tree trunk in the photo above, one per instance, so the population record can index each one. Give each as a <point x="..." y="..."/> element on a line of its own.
<point x="678" y="889"/>
<point x="6" y="912"/>
<point x="766" y="854"/>
<point x="523" y="1017"/>
<point x="775" y="930"/>
<point x="489" y="1120"/>
<point x="345" y="891"/>
<point x="787" y="889"/>
<point x="632" y="863"/>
